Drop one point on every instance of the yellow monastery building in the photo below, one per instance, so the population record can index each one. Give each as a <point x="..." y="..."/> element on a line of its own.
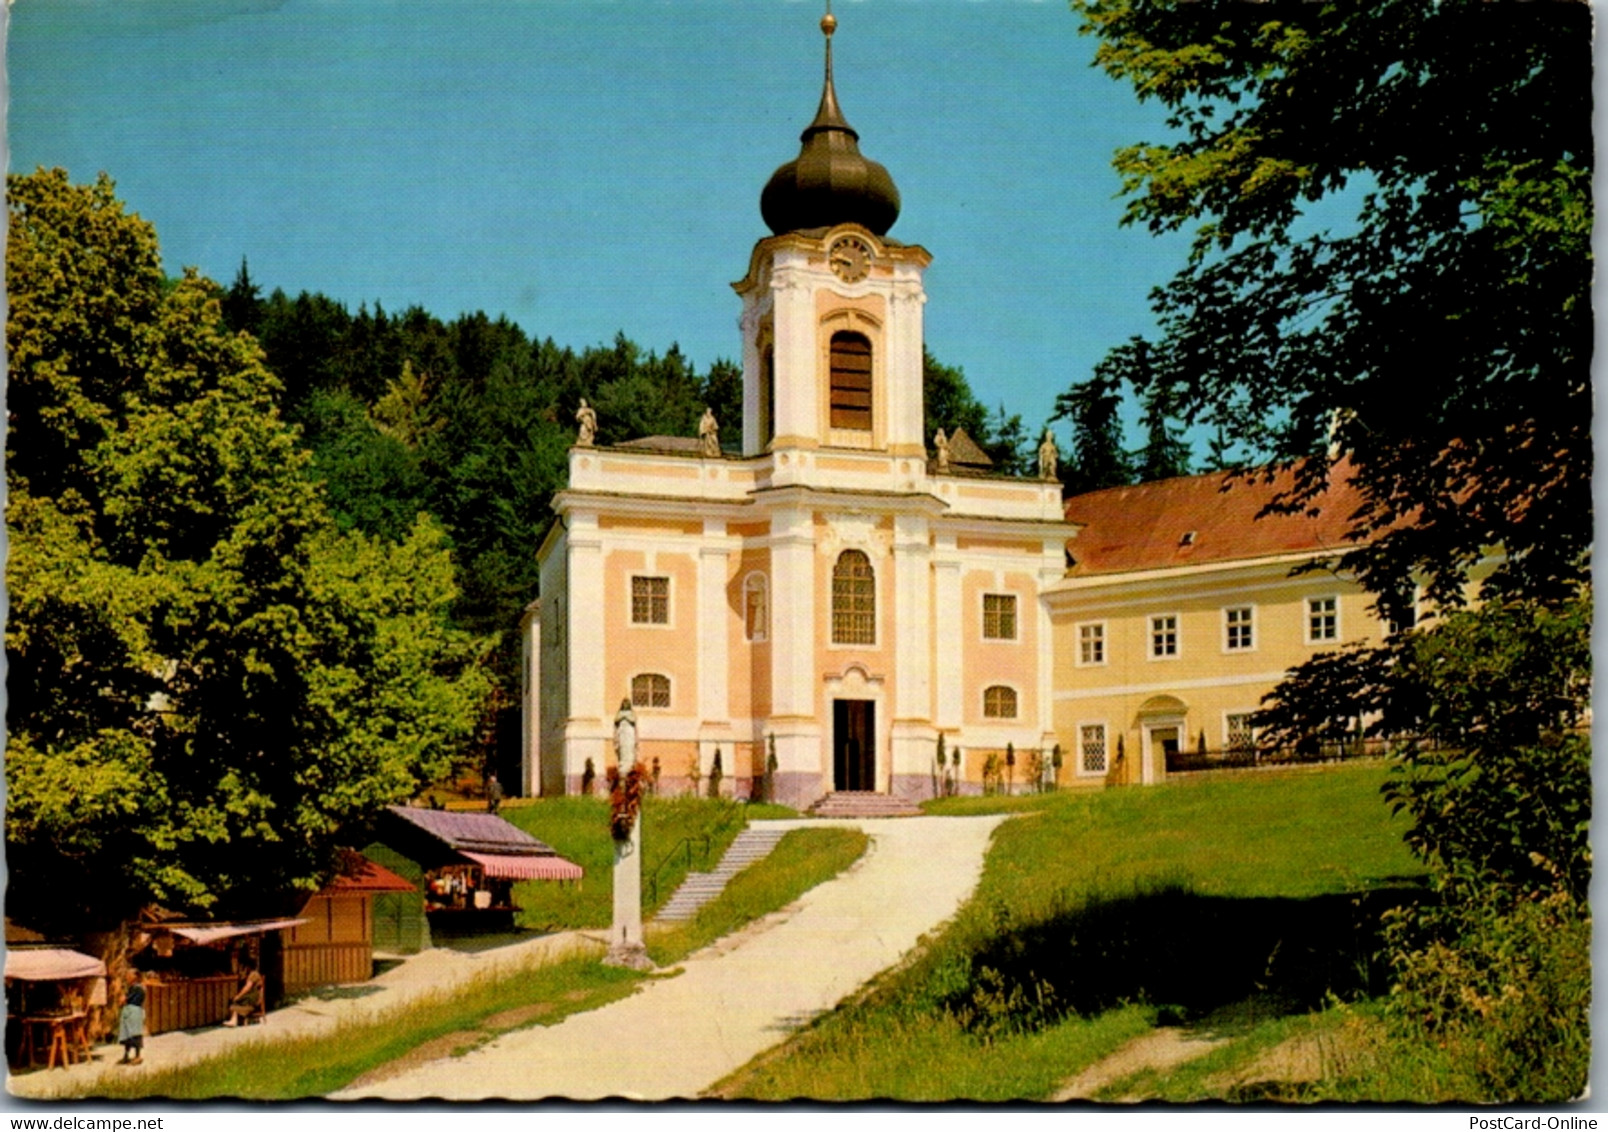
<point x="838" y="596"/>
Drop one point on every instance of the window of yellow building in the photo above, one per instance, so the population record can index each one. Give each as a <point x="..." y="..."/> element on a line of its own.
<point x="999" y="702"/>
<point x="1323" y="619"/>
<point x="999" y="617"/>
<point x="1237" y="733"/>
<point x="1163" y="636"/>
<point x="854" y="600"/>
<point x="650" y="600"/>
<point x="1091" y="644"/>
<point x="650" y="690"/>
<point x="1239" y="632"/>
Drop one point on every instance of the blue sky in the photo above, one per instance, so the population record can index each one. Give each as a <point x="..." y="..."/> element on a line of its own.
<point x="588" y="166"/>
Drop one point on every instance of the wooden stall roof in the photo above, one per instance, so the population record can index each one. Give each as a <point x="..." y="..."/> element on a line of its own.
<point x="359" y="874"/>
<point x="502" y="849"/>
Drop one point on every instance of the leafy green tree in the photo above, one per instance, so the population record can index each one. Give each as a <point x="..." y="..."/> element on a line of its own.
<point x="1441" y="335"/>
<point x="208" y="682"/>
<point x="949" y="401"/>
<point x="1098" y="458"/>
<point x="404" y="412"/>
<point x="373" y="482"/>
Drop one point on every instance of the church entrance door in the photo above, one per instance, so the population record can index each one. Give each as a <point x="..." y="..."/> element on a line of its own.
<point x="854" y="758"/>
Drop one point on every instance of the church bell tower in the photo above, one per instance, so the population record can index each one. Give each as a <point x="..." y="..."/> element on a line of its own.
<point x="832" y="307"/>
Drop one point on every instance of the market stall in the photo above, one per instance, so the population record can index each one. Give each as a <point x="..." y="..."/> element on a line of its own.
<point x="193" y="970"/>
<point x="469" y="863"/>
<point x="55" y="998"/>
<point x="334" y="942"/>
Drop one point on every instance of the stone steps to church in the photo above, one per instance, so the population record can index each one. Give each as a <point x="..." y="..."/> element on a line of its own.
<point x="752" y="844"/>
<point x="863" y="804"/>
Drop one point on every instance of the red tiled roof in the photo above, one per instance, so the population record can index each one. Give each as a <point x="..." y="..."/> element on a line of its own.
<point x="1206" y="518"/>
<point x="359" y="874"/>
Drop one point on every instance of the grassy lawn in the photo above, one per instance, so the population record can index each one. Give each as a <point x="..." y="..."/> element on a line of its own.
<point x="1249" y="897"/>
<point x="578" y="828"/>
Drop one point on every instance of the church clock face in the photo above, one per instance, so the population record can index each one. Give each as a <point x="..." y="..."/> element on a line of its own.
<point x="850" y="259"/>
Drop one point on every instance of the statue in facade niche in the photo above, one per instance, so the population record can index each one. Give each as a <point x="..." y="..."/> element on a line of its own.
<point x="1049" y="457"/>
<point x="709" y="433"/>
<point x="586" y="422"/>
<point x="941" y="442"/>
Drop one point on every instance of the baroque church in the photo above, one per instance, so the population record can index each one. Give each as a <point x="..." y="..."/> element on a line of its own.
<point x="837" y="607"/>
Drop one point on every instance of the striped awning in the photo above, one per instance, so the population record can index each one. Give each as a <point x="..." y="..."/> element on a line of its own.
<point x="526" y="868"/>
<point x="212" y="933"/>
<point x="49" y="964"/>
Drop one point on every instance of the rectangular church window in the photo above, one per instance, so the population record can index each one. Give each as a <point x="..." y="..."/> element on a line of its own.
<point x="650" y="601"/>
<point x="999" y="617"/>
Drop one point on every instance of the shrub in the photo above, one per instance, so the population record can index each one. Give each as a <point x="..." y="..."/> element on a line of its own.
<point x="1503" y="987"/>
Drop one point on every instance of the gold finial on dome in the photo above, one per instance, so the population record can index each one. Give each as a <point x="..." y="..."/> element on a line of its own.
<point x="830" y="182"/>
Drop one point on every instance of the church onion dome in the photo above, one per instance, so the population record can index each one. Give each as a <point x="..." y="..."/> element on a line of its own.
<point x="830" y="182"/>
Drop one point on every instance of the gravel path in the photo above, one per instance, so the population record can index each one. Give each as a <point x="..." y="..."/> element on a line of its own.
<point x="680" y="1035"/>
<point x="1165" y="1048"/>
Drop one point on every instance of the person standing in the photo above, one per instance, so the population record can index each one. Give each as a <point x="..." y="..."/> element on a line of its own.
<point x="131" y="1021"/>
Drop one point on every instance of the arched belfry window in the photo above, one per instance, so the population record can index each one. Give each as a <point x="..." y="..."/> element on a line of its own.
<point x="854" y="600"/>
<point x="767" y="394"/>
<point x="850" y="363"/>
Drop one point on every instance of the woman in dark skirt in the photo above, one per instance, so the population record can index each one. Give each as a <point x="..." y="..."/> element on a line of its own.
<point x="131" y="1022"/>
<point x="248" y="999"/>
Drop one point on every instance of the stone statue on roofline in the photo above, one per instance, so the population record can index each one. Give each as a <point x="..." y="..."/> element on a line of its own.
<point x="709" y="433"/>
<point x="1049" y="457"/>
<point x="941" y="443"/>
<point x="586" y="425"/>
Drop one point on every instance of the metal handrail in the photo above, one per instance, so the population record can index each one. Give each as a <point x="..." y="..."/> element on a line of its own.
<point x="685" y="843"/>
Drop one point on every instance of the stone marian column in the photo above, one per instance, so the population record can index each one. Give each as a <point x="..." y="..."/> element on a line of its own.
<point x="625" y="938"/>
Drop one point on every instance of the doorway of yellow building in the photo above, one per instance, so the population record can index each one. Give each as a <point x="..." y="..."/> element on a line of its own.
<point x="854" y="758"/>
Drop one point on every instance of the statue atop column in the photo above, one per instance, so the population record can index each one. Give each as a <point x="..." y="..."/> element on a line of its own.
<point x="625" y="735"/>
<point x="627" y="782"/>
<point x="941" y="442"/>
<point x="586" y="425"/>
<point x="709" y="433"/>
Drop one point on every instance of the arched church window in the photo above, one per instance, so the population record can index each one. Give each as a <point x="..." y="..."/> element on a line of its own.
<point x="650" y="690"/>
<point x="854" y="600"/>
<point x="851" y="380"/>
<point x="999" y="702"/>
<point x="756" y="607"/>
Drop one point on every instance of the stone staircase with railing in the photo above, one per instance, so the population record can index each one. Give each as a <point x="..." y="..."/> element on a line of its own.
<point x="752" y="844"/>
<point x="864" y="804"/>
